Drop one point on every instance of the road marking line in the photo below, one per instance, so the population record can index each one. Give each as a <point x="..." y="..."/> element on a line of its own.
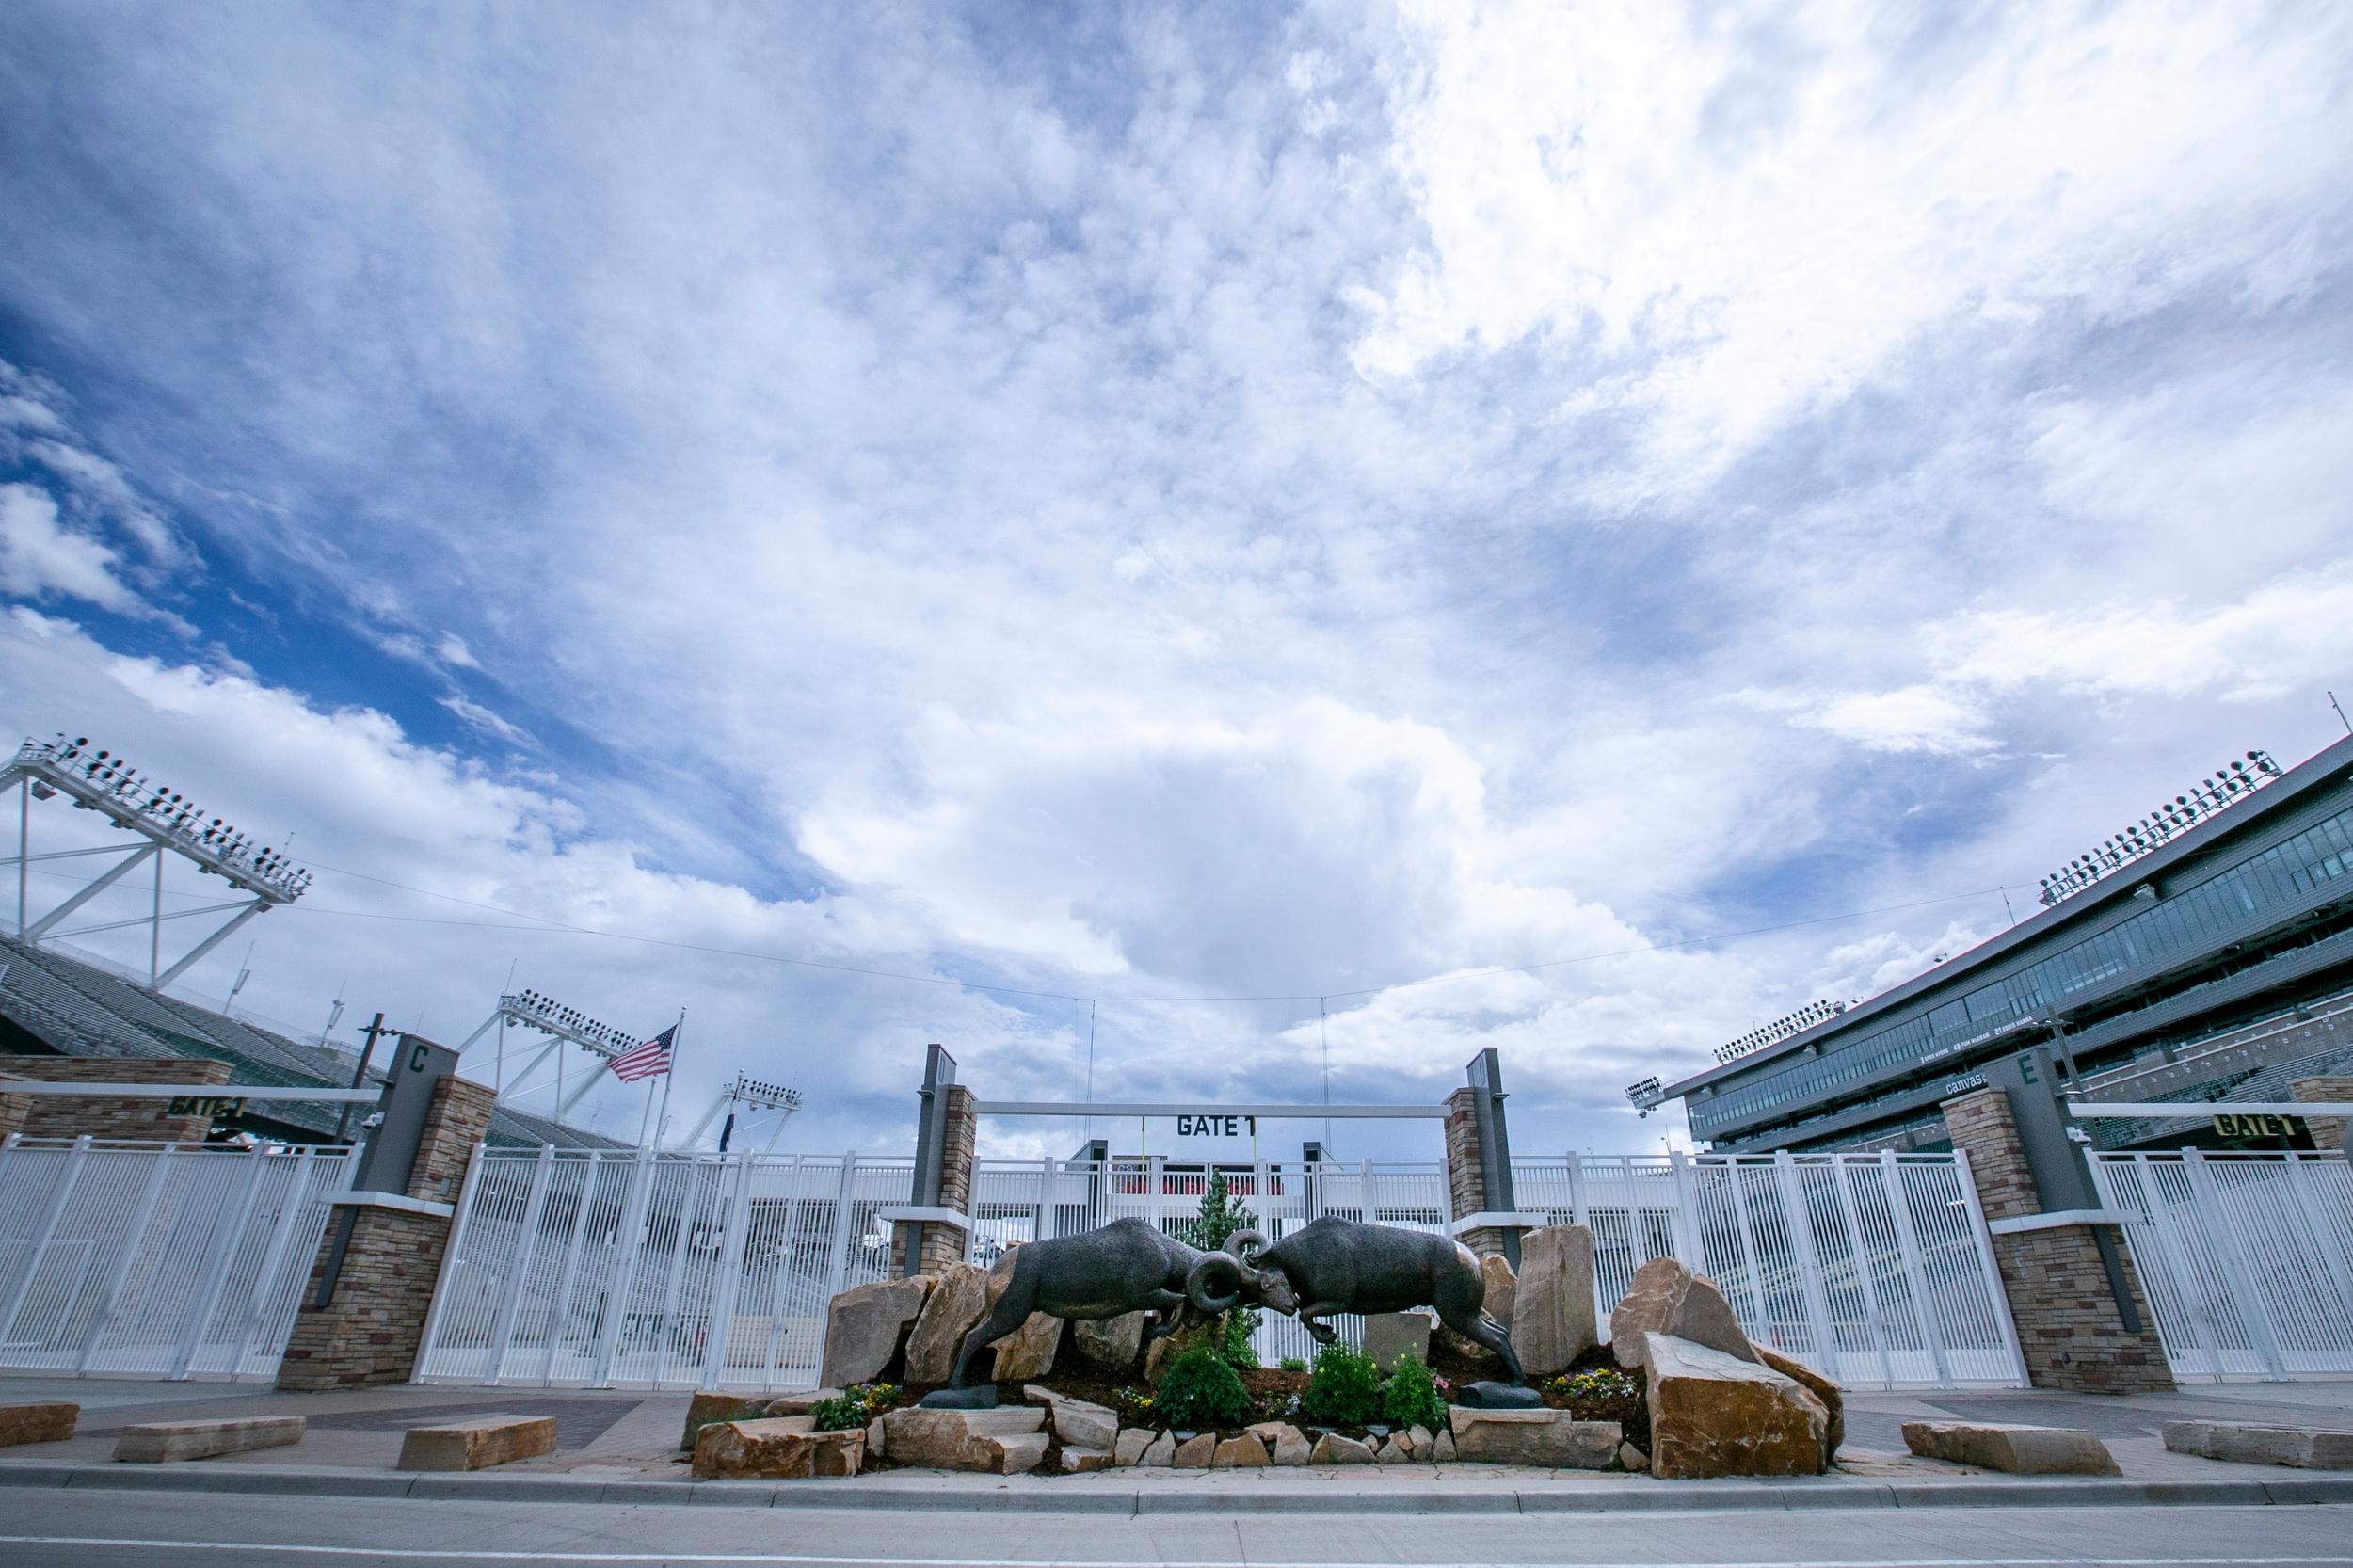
<point x="476" y="1555"/>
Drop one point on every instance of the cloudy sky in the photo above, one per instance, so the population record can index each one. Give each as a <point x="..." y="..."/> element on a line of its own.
<point x="1170" y="502"/>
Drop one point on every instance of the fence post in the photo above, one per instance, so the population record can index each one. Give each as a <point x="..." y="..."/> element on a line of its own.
<point x="689" y="1204"/>
<point x="1579" y="1209"/>
<point x="451" y="1255"/>
<point x="1683" y="1221"/>
<point x="53" y="1209"/>
<point x="120" y="1270"/>
<point x="2257" y="1315"/>
<point x="297" y="1199"/>
<point x="1983" y="1238"/>
<point x="1044" y="1229"/>
<point x="629" y="1240"/>
<point x="1372" y="1205"/>
<point x="1760" y="1305"/>
<point x="526" y="1244"/>
<point x="838" y="1268"/>
<point x="777" y="1276"/>
<point x="1868" y="1275"/>
<point x="729" y="1281"/>
<point x="216" y="1273"/>
<point x="1916" y="1270"/>
<point x="1798" y="1219"/>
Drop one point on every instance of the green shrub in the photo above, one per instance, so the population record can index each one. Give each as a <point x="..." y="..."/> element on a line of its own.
<point x="854" y="1409"/>
<point x="1344" y="1390"/>
<point x="1233" y="1346"/>
<point x="1200" y="1391"/>
<point x="1410" y="1398"/>
<point x="1294" y="1364"/>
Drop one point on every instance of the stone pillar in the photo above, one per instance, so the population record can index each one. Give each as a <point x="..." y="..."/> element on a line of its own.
<point x="2069" y="1328"/>
<point x="945" y="1244"/>
<point x="1466" y="1172"/>
<point x="372" y="1331"/>
<point x="145" y="1119"/>
<point x="2329" y="1132"/>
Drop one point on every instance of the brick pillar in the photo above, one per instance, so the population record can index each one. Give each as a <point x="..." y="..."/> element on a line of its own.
<point x="1465" y="1174"/>
<point x="373" y="1329"/>
<point x="2327" y="1131"/>
<point x="130" y="1120"/>
<point x="2069" y="1328"/>
<point x="945" y="1244"/>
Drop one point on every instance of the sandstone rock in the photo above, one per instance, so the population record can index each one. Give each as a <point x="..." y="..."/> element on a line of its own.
<point x="1825" y="1390"/>
<point x="1714" y="1415"/>
<point x="1669" y="1299"/>
<point x="783" y="1449"/>
<point x="1419" y="1443"/>
<point x="1632" y="1458"/>
<point x="877" y="1442"/>
<point x="1077" y="1462"/>
<point x="1391" y="1337"/>
<point x="938" y="1438"/>
<point x="482" y="1441"/>
<point x="1133" y="1445"/>
<point x="1003" y="1454"/>
<point x="1160" y="1453"/>
<point x="1444" y="1451"/>
<point x="2019" y="1450"/>
<point x="1080" y="1424"/>
<point x="1551" y="1438"/>
<point x="36" y="1423"/>
<point x="162" y="1442"/>
<point x="1028" y="1350"/>
<point x="1332" y="1449"/>
<point x="864" y="1325"/>
<point x="2245" y="1443"/>
<point x="952" y="1310"/>
<point x="1393" y="1452"/>
<point x="1195" y="1452"/>
<point x="1285" y="1443"/>
<point x="1240" y="1453"/>
<point x="1156" y="1359"/>
<point x="707" y="1407"/>
<point x="795" y="1405"/>
<point x="1111" y="1343"/>
<point x="1502" y="1286"/>
<point x="1552" y="1321"/>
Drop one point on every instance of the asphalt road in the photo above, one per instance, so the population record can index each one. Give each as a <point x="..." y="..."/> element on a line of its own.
<point x="88" y="1529"/>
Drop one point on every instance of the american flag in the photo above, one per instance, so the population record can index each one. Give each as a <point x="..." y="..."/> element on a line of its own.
<point x="650" y="1060"/>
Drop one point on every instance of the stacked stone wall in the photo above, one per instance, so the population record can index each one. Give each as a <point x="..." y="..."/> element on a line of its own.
<point x="371" y="1331"/>
<point x="1466" y="1173"/>
<point x="2069" y="1329"/>
<point x="2327" y="1131"/>
<point x="141" y="1120"/>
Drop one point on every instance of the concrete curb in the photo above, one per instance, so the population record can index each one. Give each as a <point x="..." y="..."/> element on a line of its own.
<point x="1685" y="1497"/>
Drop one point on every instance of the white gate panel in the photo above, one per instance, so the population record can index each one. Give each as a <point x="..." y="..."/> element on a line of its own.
<point x="2247" y="1259"/>
<point x="160" y="1260"/>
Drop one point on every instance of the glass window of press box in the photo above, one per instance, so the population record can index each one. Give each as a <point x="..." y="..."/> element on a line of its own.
<point x="2200" y="917"/>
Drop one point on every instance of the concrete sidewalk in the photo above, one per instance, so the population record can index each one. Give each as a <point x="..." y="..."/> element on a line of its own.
<point x="620" y="1447"/>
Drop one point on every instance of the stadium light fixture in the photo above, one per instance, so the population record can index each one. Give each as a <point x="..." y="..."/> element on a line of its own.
<point x="2228" y="786"/>
<point x="1805" y="1017"/>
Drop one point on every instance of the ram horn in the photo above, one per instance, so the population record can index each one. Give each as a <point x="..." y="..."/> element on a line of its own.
<point x="1241" y="1243"/>
<point x="1197" y="1280"/>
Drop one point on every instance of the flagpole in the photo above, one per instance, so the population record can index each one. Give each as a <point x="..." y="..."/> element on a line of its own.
<point x="645" y="1120"/>
<point x="678" y="1033"/>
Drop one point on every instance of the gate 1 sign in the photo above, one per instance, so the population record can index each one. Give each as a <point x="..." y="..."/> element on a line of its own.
<point x="1207" y="1125"/>
<point x="2239" y="1126"/>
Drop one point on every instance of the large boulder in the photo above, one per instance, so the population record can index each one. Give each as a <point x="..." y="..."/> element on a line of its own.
<point x="1332" y="1449"/>
<point x="1502" y="1286"/>
<point x="952" y="1439"/>
<point x="1111" y="1343"/>
<point x="1552" y="1318"/>
<point x="1028" y="1350"/>
<point x="1240" y="1453"/>
<point x="1553" y="1439"/>
<point x="864" y="1326"/>
<point x="1077" y="1423"/>
<point x="952" y="1311"/>
<point x="1834" y="1398"/>
<point x="784" y="1448"/>
<point x="710" y="1405"/>
<point x="1391" y="1337"/>
<point x="1716" y="1415"/>
<point x="1666" y="1297"/>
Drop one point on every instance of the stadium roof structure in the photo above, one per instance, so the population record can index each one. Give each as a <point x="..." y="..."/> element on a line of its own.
<point x="52" y="1002"/>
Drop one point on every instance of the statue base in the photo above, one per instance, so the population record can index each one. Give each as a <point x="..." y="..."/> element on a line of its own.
<point x="980" y="1396"/>
<point x="1498" y="1396"/>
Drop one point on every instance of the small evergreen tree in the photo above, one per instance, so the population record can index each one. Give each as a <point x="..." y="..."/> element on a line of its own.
<point x="1220" y="1217"/>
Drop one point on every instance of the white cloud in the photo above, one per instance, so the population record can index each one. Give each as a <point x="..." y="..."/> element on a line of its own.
<point x="40" y="556"/>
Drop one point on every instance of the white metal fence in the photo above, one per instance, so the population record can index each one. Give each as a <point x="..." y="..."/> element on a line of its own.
<point x="2247" y="1259"/>
<point x="161" y="1260"/>
<point x="1875" y="1268"/>
<point x="605" y="1269"/>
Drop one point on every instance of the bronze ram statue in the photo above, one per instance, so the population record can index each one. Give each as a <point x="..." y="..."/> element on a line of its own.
<point x="1332" y="1265"/>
